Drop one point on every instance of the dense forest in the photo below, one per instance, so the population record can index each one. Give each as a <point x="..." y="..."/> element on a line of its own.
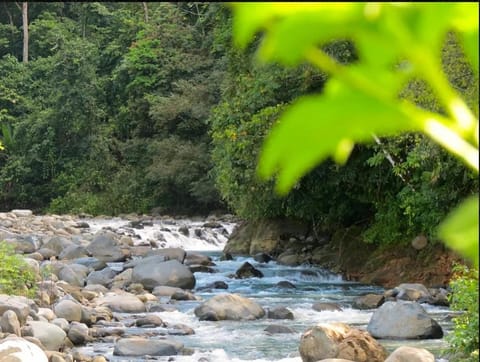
<point x="148" y="107"/>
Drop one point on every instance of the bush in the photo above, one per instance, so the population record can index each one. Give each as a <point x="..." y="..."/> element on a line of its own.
<point x="16" y="276"/>
<point x="463" y="340"/>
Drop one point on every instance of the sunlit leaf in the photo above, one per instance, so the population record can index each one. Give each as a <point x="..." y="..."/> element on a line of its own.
<point x="316" y="127"/>
<point x="460" y="229"/>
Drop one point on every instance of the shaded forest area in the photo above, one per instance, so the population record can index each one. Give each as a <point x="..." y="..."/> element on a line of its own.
<point x="134" y="107"/>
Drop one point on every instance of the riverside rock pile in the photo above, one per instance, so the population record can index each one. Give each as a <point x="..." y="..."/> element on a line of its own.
<point x="91" y="285"/>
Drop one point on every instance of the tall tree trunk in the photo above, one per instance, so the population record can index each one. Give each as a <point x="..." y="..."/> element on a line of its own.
<point x="145" y="11"/>
<point x="25" y="31"/>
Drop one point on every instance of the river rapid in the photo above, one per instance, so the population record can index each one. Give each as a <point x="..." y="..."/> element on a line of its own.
<point x="235" y="341"/>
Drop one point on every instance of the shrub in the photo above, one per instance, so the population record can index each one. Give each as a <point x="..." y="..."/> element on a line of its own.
<point x="463" y="340"/>
<point x="16" y="276"/>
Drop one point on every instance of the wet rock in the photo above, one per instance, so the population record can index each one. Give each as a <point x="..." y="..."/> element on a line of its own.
<point x="149" y="321"/>
<point x="368" y="301"/>
<point x="13" y="349"/>
<point x="276" y="329"/>
<point x="248" y="271"/>
<point x="91" y="262"/>
<point x="139" y="347"/>
<point x="412" y="292"/>
<point x="183" y="230"/>
<point x="180" y="330"/>
<point x="262" y="258"/>
<point x="229" y="307"/>
<point x="183" y="295"/>
<point x="338" y="340"/>
<point x="326" y="307"/>
<point x="410" y="354"/>
<point x="286" y="284"/>
<point x="403" y="320"/>
<point x="280" y="313"/>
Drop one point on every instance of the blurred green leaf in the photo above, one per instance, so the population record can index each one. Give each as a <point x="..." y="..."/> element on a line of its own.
<point x="460" y="229"/>
<point x="325" y="125"/>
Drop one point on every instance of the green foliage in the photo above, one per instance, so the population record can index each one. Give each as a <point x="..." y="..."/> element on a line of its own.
<point x="463" y="340"/>
<point x="361" y="96"/>
<point x="16" y="276"/>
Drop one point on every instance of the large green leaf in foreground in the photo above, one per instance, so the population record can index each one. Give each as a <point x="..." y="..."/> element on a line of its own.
<point x="316" y="127"/>
<point x="460" y="229"/>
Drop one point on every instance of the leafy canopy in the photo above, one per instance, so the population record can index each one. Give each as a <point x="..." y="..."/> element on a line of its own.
<point x="396" y="43"/>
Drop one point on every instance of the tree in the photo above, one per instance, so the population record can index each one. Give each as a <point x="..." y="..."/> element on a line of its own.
<point x="318" y="126"/>
<point x="25" y="31"/>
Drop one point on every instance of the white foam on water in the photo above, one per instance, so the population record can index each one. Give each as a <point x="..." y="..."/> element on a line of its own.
<point x="167" y="233"/>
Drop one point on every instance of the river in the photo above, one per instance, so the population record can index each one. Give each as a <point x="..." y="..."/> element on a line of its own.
<point x="235" y="341"/>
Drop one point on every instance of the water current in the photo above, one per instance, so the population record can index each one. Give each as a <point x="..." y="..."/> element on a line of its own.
<point x="235" y="341"/>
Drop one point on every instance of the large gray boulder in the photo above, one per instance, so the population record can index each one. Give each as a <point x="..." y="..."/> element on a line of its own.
<point x="170" y="273"/>
<point x="51" y="335"/>
<point x="105" y="247"/>
<point x="338" y="340"/>
<point x="122" y="303"/>
<point x="14" y="349"/>
<point x="229" y="307"/>
<point x="169" y="253"/>
<point x="403" y="320"/>
<point x="139" y="347"/>
<point x="410" y="354"/>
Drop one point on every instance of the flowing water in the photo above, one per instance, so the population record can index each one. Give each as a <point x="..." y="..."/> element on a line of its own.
<point x="221" y="341"/>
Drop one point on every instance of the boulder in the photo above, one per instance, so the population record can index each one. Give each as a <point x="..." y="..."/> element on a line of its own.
<point x="262" y="258"/>
<point x="326" y="307"/>
<point x="198" y="259"/>
<point x="414" y="292"/>
<point x="51" y="335"/>
<point x="178" y="254"/>
<point x="105" y="247"/>
<point x="57" y="244"/>
<point x="102" y="277"/>
<point x="403" y="320"/>
<point x="73" y="274"/>
<point x="78" y="333"/>
<point x="122" y="303"/>
<point x="229" y="307"/>
<point x="276" y="329"/>
<point x="139" y="347"/>
<point x="20" y="305"/>
<point x="280" y="313"/>
<point x="170" y="273"/>
<point x="68" y="309"/>
<point x="247" y="270"/>
<point x="14" y="349"/>
<point x="73" y="252"/>
<point x="9" y="323"/>
<point x="338" y="340"/>
<point x="368" y="301"/>
<point x="91" y="262"/>
<point x="410" y="354"/>
<point x="150" y="320"/>
<point x="285" y="284"/>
